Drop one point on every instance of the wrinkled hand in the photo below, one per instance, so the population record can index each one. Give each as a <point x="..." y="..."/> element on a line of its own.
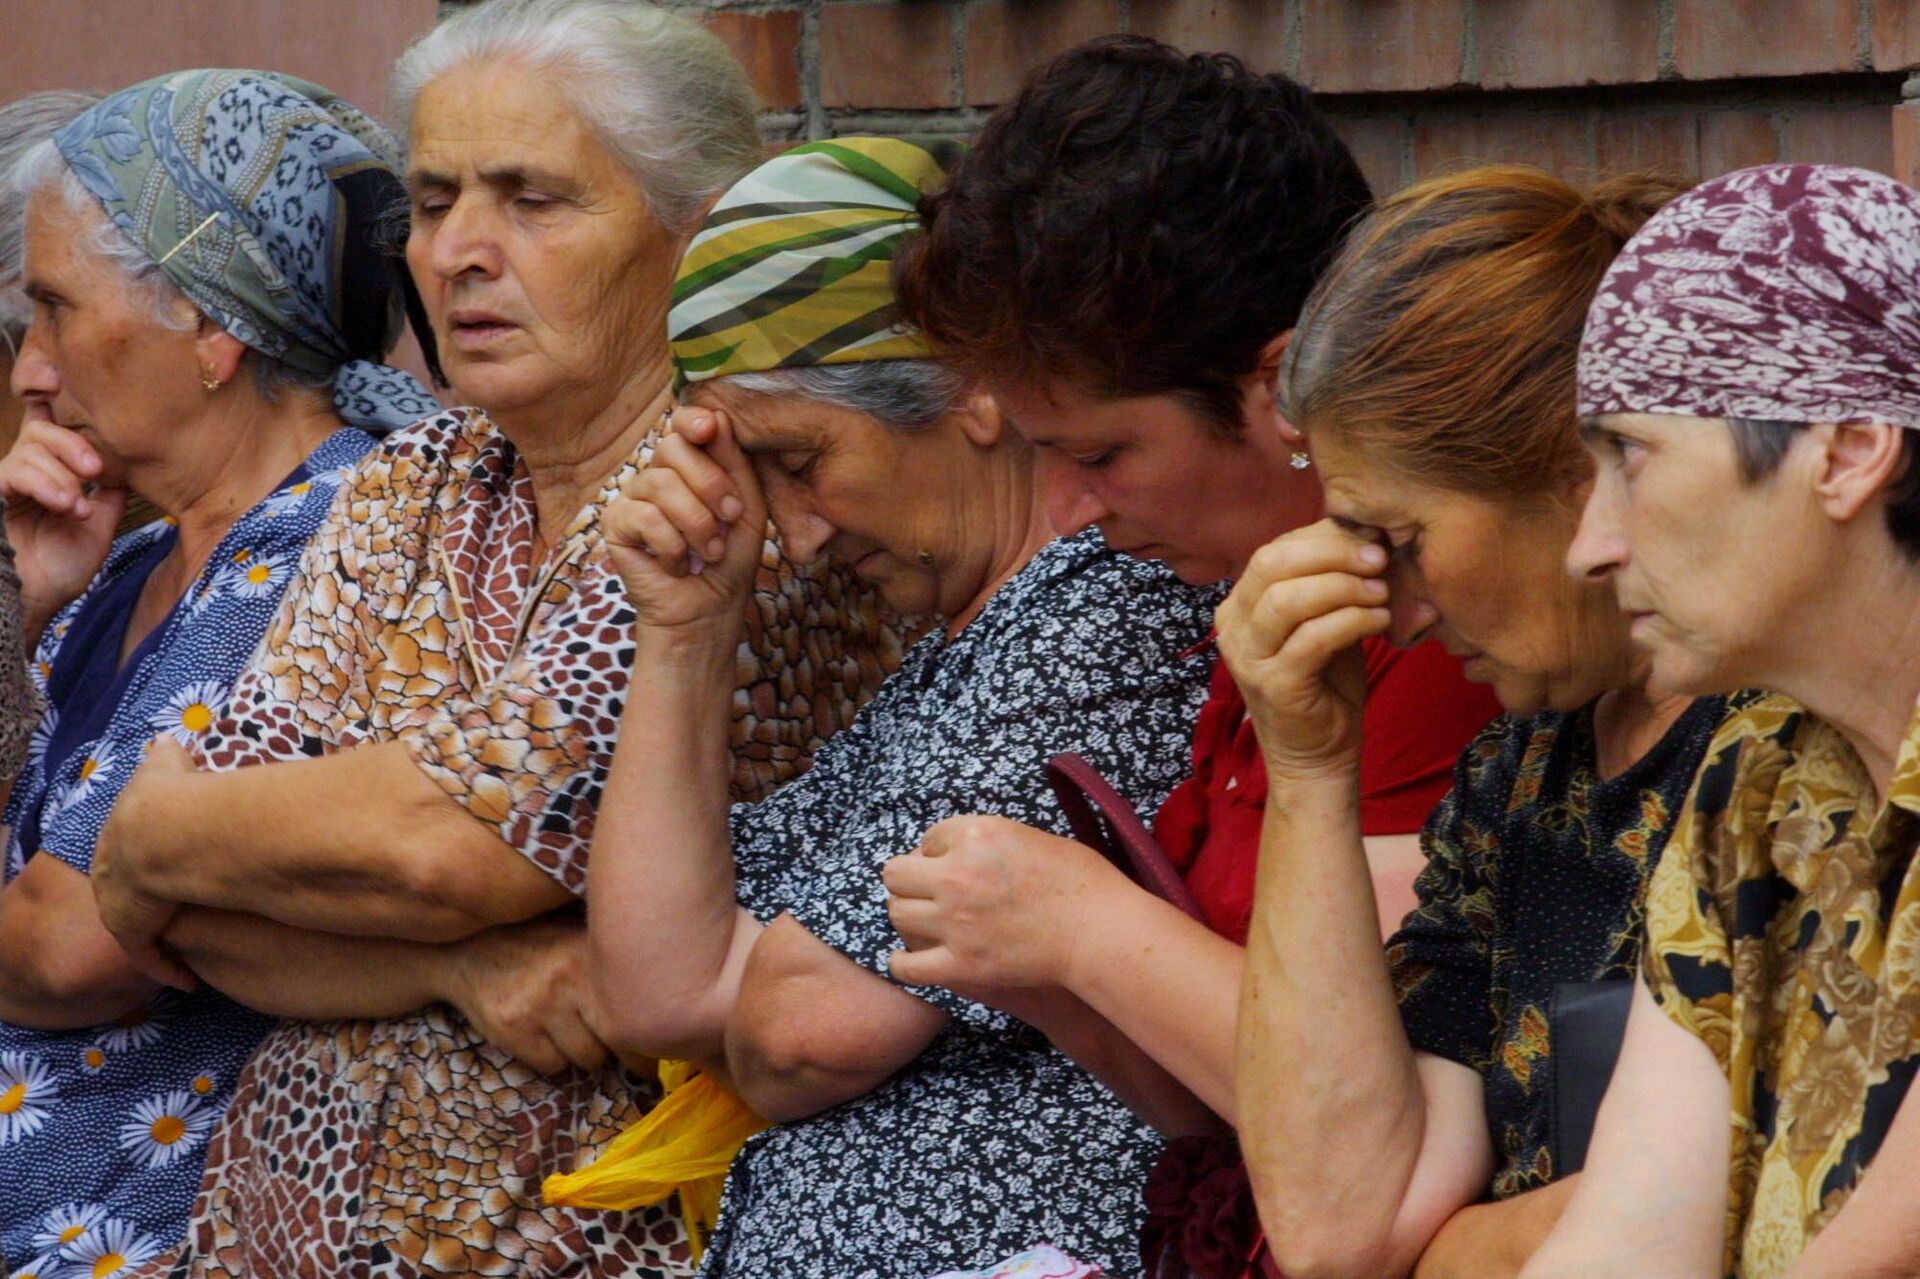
<point x="60" y="532"/>
<point x="1290" y="632"/>
<point x="985" y="902"/>
<point x="130" y="910"/>
<point x="686" y="534"/>
<point x="525" y="988"/>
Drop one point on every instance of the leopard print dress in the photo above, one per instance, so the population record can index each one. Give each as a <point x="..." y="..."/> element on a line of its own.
<point x="411" y="1147"/>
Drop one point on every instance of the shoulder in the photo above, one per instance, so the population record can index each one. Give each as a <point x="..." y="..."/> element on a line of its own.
<point x="426" y="454"/>
<point x="1080" y="600"/>
<point x="1754" y="748"/>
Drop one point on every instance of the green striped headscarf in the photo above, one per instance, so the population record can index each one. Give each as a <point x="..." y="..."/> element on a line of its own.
<point x="792" y="266"/>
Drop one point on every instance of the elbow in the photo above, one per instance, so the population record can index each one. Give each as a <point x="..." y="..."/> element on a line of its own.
<point x="778" y="1071"/>
<point x="451" y="889"/>
<point x="636" y="1022"/>
<point x="1331" y="1254"/>
<point x="1315" y="1235"/>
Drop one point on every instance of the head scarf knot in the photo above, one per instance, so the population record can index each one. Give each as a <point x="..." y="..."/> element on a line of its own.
<point x="1788" y="292"/>
<point x="793" y="265"/>
<point x="262" y="197"/>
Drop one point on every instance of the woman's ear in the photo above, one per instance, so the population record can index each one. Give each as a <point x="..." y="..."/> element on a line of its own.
<point x="980" y="420"/>
<point x="1854" y="462"/>
<point x="219" y="352"/>
<point x="1260" y="389"/>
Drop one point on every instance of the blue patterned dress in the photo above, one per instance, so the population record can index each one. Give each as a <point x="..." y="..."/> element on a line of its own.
<point x="103" y="1131"/>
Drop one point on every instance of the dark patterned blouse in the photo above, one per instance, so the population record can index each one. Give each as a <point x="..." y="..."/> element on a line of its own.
<point x="990" y="1139"/>
<point x="1536" y="875"/>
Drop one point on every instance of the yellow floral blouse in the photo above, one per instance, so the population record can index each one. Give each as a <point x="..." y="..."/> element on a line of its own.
<point x="1783" y="929"/>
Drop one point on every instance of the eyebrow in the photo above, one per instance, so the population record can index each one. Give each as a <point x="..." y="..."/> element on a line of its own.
<point x="1591" y="430"/>
<point x="509" y="176"/>
<point x="780" y="442"/>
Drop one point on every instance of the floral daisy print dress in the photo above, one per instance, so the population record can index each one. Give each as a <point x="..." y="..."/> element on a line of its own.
<point x="103" y="1131"/>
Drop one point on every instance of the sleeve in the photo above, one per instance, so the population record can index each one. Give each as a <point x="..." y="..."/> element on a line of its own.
<point x="1717" y="888"/>
<point x="1441" y="960"/>
<point x="1421" y="712"/>
<point x="306" y="683"/>
<point x="528" y="755"/>
<point x="1087" y="679"/>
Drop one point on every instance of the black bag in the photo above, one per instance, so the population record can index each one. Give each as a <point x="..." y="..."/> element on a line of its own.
<point x="1586" y="1022"/>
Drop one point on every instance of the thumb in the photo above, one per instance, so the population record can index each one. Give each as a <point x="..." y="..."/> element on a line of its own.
<point x="919" y="967"/>
<point x="165" y="754"/>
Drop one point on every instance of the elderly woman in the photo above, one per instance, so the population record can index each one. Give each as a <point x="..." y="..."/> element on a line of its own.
<point x="918" y="1127"/>
<point x="1386" y="1095"/>
<point x="414" y="761"/>
<point x="1750" y="380"/>
<point x="201" y="341"/>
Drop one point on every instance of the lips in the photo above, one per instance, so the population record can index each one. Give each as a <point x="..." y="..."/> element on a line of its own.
<point x="472" y="328"/>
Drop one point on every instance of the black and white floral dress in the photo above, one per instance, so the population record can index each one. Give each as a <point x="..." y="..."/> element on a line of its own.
<point x="990" y="1139"/>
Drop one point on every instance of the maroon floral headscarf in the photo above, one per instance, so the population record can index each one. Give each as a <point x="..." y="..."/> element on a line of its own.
<point x="1788" y="292"/>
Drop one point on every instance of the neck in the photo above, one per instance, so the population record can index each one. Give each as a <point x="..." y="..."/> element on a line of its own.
<point x="1023" y="531"/>
<point x="571" y="449"/>
<point x="1852" y="659"/>
<point x="1629" y="721"/>
<point x="223" y="466"/>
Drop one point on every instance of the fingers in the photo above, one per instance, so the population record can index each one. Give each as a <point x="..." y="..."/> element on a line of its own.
<point x="35" y="475"/>
<point x="694" y="494"/>
<point x="1277" y="612"/>
<point x="919" y="921"/>
<point x="575" y="1040"/>
<point x="934" y="966"/>
<point x="535" y="1049"/>
<point x="910" y="876"/>
<point x="1316" y="642"/>
<point x="153" y="960"/>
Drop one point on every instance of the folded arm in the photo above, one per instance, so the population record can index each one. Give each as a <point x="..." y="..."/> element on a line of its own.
<point x="60" y="969"/>
<point x="1652" y="1200"/>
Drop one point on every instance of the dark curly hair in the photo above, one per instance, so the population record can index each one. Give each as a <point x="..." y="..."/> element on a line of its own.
<point x="1138" y="220"/>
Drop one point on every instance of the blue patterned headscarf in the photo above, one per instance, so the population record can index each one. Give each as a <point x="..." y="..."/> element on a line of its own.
<point x="263" y="198"/>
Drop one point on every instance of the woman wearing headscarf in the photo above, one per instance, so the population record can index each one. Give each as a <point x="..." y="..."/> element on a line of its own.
<point x="918" y="1127"/>
<point x="402" y="790"/>
<point x="210" y="298"/>
<point x="1750" y="384"/>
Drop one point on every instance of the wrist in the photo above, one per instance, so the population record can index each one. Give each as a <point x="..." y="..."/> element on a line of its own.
<point x="1124" y="910"/>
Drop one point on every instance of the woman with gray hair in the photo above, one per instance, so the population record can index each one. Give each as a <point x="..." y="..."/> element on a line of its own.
<point x="203" y="340"/>
<point x="406" y="781"/>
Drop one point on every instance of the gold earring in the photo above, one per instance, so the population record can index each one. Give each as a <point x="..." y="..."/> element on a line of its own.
<point x="208" y="382"/>
<point x="925" y="557"/>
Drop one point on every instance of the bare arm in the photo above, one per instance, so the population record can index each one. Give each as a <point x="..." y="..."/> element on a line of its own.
<point x="1652" y="1200"/>
<point x="1495" y="1240"/>
<point x="60" y="969"/>
<point x="812" y="1028"/>
<point x="1876" y="1234"/>
<point x="393" y="856"/>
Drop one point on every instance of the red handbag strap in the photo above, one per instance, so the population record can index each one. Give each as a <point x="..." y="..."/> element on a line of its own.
<point x="1102" y="819"/>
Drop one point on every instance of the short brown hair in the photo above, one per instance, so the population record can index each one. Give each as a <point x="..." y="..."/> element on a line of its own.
<point x="1443" y="338"/>
<point x="1137" y="219"/>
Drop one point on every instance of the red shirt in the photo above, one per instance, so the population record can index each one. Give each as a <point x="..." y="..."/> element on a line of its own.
<point x="1421" y="712"/>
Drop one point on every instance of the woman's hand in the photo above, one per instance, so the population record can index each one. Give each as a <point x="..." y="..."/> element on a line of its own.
<point x="686" y="535"/>
<point x="526" y="990"/>
<point x="985" y="902"/>
<point x="131" y="912"/>
<point x="61" y="526"/>
<point x="1289" y="633"/>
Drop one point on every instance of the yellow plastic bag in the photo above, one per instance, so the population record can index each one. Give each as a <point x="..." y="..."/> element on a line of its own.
<point x="684" y="1145"/>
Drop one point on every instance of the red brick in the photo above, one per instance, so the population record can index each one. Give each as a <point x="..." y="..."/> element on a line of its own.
<point x="1531" y="44"/>
<point x="1732" y="140"/>
<point x="1256" y="30"/>
<point x="1906" y="143"/>
<point x="1352" y="46"/>
<point x="768" y="46"/>
<point x="1896" y="34"/>
<point x="1860" y="136"/>
<point x="1556" y="143"/>
<point x="1722" y="39"/>
<point x="1379" y="143"/>
<point x="1007" y="38"/>
<point x="1664" y="143"/>
<point x="886" y="55"/>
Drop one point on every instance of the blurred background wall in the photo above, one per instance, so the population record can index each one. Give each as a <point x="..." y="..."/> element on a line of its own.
<point x="1701" y="86"/>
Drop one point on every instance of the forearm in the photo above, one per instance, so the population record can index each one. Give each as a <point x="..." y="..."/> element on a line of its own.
<point x="1494" y="1240"/>
<point x="1113" y="1057"/>
<point x="59" y="967"/>
<point x="377" y="849"/>
<point x="1168" y="984"/>
<point x="666" y="938"/>
<point x="35" y="995"/>
<point x="312" y="976"/>
<point x="1334" y="1114"/>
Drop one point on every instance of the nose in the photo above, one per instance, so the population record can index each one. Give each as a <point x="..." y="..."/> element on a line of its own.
<point x="803" y="533"/>
<point x="34" y="375"/>
<point x="463" y="241"/>
<point x="1411" y="616"/>
<point x="1599" y="546"/>
<point x="1072" y="505"/>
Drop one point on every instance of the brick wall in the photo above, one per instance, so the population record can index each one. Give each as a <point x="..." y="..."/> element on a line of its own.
<point x="1416" y="86"/>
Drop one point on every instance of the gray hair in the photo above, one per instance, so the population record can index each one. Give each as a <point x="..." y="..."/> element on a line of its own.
<point x="661" y="90"/>
<point x="910" y="395"/>
<point x="24" y="123"/>
<point x="43" y="168"/>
